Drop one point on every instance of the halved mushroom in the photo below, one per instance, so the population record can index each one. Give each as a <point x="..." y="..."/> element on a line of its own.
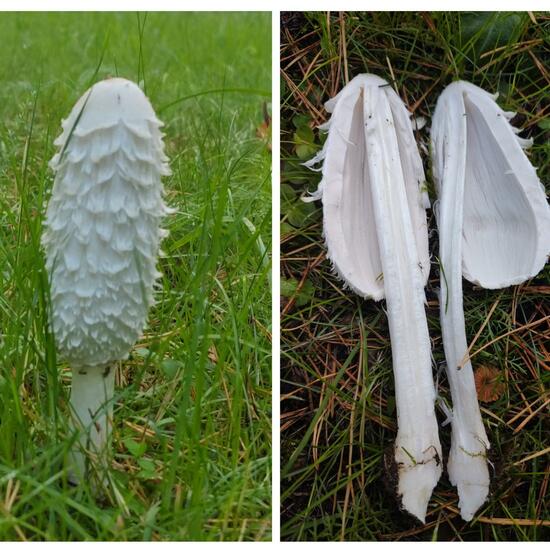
<point x="494" y="228"/>
<point x="376" y="235"/>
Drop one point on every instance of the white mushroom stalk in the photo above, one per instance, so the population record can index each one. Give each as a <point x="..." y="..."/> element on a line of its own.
<point x="101" y="237"/>
<point x="376" y="235"/>
<point x="494" y="228"/>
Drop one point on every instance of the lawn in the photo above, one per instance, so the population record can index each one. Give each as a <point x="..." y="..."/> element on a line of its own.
<point x="337" y="393"/>
<point x="192" y="428"/>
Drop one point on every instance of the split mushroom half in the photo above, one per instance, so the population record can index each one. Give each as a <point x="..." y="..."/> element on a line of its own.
<point x="375" y="228"/>
<point x="494" y="228"/>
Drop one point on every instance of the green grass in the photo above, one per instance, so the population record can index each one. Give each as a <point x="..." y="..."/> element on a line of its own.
<point x="338" y="410"/>
<point x="192" y="430"/>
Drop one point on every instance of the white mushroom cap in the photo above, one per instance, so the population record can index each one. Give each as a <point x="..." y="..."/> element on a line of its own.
<point x="102" y="228"/>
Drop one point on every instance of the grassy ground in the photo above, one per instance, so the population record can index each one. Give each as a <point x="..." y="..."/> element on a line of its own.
<point x="193" y="414"/>
<point x="338" y="411"/>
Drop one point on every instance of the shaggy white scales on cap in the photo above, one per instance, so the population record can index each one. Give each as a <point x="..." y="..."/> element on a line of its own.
<point x="101" y="237"/>
<point x="376" y="234"/>
<point x="494" y="228"/>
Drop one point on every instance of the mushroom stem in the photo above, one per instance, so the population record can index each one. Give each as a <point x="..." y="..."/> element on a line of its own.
<point x="91" y="403"/>
<point x="467" y="465"/>
<point x="417" y="446"/>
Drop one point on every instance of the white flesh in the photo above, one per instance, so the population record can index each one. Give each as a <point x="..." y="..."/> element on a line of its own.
<point x="376" y="234"/>
<point x="91" y="402"/>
